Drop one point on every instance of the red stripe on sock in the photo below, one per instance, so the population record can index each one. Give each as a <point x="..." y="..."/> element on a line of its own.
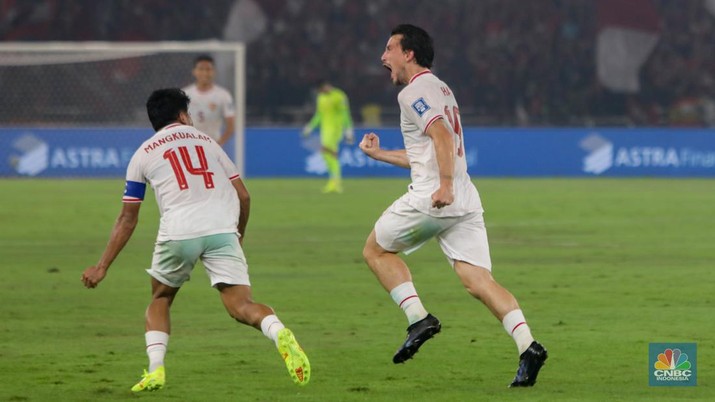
<point x="517" y="326"/>
<point x="405" y="299"/>
<point x="154" y="344"/>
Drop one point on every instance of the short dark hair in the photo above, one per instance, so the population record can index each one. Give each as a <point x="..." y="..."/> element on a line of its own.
<point x="418" y="40"/>
<point x="203" y="57"/>
<point x="165" y="105"/>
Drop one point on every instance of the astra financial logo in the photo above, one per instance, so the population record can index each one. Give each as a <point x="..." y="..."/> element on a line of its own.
<point x="654" y="156"/>
<point x="34" y="155"/>
<point x="600" y="157"/>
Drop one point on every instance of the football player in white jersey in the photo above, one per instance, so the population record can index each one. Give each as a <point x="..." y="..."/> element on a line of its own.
<point x="211" y="106"/>
<point x="441" y="202"/>
<point x="204" y="209"/>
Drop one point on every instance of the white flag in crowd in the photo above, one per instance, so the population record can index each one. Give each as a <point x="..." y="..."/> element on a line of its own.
<point x="627" y="34"/>
<point x="710" y="6"/>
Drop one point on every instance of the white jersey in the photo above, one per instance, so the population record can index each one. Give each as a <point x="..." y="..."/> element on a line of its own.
<point x="422" y="102"/>
<point x="208" y="109"/>
<point x="191" y="177"/>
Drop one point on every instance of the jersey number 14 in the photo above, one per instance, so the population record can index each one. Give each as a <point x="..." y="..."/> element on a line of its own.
<point x="178" y="167"/>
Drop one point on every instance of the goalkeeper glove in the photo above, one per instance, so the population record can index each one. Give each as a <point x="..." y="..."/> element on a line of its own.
<point x="349" y="136"/>
<point x="307" y="130"/>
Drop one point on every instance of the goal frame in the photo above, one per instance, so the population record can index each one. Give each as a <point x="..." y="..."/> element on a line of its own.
<point x="146" y="48"/>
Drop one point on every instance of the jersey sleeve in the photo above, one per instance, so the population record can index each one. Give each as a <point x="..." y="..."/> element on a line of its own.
<point x="422" y="107"/>
<point x="315" y="120"/>
<point x="135" y="187"/>
<point x="229" y="109"/>
<point x="345" y="116"/>
<point x="226" y="164"/>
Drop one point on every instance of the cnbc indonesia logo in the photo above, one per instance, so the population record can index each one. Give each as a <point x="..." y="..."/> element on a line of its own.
<point x="672" y="365"/>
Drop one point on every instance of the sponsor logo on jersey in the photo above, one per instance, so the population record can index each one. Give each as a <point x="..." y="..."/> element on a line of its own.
<point x="421" y="106"/>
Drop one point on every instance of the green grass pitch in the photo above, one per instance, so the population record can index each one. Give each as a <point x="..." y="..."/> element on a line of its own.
<point x="601" y="268"/>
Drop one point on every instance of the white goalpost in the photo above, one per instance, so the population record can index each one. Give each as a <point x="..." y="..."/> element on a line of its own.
<point x="105" y="84"/>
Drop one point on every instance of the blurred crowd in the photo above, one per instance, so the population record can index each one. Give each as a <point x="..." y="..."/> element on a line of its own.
<point x="509" y="62"/>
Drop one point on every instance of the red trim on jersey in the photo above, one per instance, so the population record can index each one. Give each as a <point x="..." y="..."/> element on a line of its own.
<point x="405" y="299"/>
<point x="234" y="177"/>
<point x="419" y="74"/>
<point x="131" y="200"/>
<point x="517" y="326"/>
<point x="429" y="123"/>
<point x="171" y="126"/>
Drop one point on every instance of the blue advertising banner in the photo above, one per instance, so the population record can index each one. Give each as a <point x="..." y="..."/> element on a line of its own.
<point x="282" y="152"/>
<point x="507" y="152"/>
<point x="68" y="152"/>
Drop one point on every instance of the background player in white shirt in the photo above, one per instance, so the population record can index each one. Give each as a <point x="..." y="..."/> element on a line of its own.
<point x="204" y="209"/>
<point x="441" y="202"/>
<point x="211" y="108"/>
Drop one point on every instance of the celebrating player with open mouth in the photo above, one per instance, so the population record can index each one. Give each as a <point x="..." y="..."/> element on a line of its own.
<point x="441" y="202"/>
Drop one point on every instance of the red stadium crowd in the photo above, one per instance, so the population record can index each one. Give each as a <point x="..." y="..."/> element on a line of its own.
<point x="512" y="62"/>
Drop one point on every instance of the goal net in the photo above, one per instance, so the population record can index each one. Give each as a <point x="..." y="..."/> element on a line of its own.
<point x="106" y="84"/>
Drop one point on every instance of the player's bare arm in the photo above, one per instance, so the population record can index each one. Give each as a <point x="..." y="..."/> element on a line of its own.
<point x="122" y="231"/>
<point x="443" y="141"/>
<point x="244" y="199"/>
<point x="370" y="145"/>
<point x="230" y="127"/>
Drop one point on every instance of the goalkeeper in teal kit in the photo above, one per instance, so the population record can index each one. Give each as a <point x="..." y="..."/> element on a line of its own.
<point x="333" y="115"/>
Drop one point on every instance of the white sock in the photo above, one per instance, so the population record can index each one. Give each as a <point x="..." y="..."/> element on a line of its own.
<point x="270" y="325"/>
<point x="405" y="296"/>
<point x="156" y="343"/>
<point x="515" y="325"/>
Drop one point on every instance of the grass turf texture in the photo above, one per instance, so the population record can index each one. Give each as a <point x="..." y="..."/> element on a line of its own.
<point x="600" y="267"/>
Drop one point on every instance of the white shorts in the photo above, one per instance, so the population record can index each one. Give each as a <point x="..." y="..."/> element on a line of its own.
<point x="221" y="254"/>
<point x="402" y="228"/>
